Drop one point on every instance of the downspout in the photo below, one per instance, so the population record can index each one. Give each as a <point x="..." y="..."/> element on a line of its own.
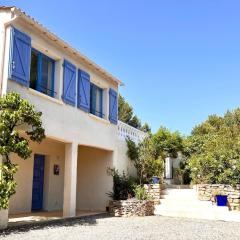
<point x="6" y="24"/>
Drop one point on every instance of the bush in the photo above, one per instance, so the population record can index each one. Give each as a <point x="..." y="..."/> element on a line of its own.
<point x="214" y="150"/>
<point x="123" y="185"/>
<point x="140" y="193"/>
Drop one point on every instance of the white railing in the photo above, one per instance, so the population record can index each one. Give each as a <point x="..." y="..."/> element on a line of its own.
<point x="127" y="131"/>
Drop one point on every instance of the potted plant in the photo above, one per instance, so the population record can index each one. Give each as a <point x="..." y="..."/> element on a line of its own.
<point x="155" y="179"/>
<point x="221" y="199"/>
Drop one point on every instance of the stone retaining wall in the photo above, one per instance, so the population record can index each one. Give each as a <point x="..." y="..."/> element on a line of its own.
<point x="153" y="190"/>
<point x="207" y="192"/>
<point x="131" y="207"/>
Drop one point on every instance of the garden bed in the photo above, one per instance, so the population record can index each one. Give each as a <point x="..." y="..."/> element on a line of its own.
<point x="131" y="207"/>
<point x="206" y="192"/>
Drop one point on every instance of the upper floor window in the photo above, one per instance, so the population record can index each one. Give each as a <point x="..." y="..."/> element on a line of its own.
<point x="96" y="99"/>
<point x="42" y="73"/>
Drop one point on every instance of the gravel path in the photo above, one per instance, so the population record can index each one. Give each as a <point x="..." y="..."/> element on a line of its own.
<point x="144" y="228"/>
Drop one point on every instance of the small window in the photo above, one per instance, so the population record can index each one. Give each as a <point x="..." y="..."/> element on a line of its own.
<point x="42" y="73"/>
<point x="96" y="100"/>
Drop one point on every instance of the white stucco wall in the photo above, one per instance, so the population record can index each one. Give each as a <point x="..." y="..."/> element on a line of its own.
<point x="123" y="163"/>
<point x="53" y="184"/>
<point x="92" y="180"/>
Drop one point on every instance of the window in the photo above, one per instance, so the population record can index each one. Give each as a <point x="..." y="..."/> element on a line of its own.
<point x="42" y="73"/>
<point x="96" y="100"/>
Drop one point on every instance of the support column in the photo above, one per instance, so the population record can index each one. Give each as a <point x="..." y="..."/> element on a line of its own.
<point x="70" y="180"/>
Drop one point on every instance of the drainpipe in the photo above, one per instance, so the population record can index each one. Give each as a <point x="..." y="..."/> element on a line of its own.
<point x="3" y="50"/>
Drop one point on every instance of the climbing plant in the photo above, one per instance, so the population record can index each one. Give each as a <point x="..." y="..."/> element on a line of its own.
<point x="19" y="123"/>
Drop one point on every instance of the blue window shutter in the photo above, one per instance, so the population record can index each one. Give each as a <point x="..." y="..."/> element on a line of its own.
<point x="83" y="100"/>
<point x="20" y="57"/>
<point x="113" y="106"/>
<point x="69" y="83"/>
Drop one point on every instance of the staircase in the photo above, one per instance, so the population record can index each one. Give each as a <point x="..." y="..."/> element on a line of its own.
<point x="182" y="201"/>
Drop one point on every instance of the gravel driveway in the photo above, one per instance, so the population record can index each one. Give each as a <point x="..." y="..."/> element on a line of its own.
<point x="107" y="228"/>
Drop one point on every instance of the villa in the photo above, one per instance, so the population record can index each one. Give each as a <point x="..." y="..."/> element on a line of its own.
<point x="79" y="102"/>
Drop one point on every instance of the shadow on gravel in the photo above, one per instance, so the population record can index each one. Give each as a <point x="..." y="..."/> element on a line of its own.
<point x="88" y="220"/>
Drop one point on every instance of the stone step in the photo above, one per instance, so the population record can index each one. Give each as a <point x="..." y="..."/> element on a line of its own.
<point x="175" y="186"/>
<point x="185" y="202"/>
<point x="193" y="207"/>
<point x="192" y="214"/>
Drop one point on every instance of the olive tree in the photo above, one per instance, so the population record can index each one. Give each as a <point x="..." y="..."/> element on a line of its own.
<point x="20" y="123"/>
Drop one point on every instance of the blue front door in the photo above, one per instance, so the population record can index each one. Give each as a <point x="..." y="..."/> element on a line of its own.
<point x="38" y="177"/>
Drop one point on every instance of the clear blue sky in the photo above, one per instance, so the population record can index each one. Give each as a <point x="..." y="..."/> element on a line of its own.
<point x="179" y="59"/>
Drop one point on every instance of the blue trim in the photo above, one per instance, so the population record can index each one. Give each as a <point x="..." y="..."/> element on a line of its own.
<point x="68" y="65"/>
<point x="24" y="77"/>
<point x="95" y="88"/>
<point x="53" y="79"/>
<point x="101" y="103"/>
<point x="39" y="73"/>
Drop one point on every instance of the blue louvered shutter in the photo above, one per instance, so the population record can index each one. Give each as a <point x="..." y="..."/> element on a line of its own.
<point x="83" y="100"/>
<point x="20" y="57"/>
<point x="69" y="83"/>
<point x="113" y="106"/>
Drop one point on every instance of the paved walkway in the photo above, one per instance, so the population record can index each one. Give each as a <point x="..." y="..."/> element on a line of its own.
<point x="142" y="228"/>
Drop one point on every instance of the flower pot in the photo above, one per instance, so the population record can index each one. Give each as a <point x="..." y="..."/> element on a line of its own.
<point x="221" y="200"/>
<point x="155" y="180"/>
<point x="3" y="218"/>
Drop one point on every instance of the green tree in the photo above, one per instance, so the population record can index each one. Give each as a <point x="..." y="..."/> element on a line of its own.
<point x="19" y="123"/>
<point x="135" y="122"/>
<point x="146" y="128"/>
<point x="213" y="150"/>
<point x="167" y="144"/>
<point x="126" y="114"/>
<point x="125" y="111"/>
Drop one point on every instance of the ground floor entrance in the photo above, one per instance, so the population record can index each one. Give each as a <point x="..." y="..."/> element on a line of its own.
<point x="38" y="180"/>
<point x="62" y="178"/>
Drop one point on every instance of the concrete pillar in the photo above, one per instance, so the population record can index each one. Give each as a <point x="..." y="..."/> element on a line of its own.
<point x="168" y="168"/>
<point x="70" y="180"/>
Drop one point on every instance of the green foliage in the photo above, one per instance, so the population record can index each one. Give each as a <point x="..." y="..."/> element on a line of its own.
<point x="213" y="150"/>
<point x="16" y="115"/>
<point x="7" y="183"/>
<point x="123" y="185"/>
<point x="147" y="163"/>
<point x="183" y="173"/>
<point x="140" y="193"/>
<point x="135" y="122"/>
<point x="146" y="128"/>
<point x="133" y="149"/>
<point x="125" y="111"/>
<point x="167" y="144"/>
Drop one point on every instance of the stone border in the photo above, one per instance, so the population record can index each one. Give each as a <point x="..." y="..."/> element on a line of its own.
<point x="206" y="192"/>
<point x="131" y="207"/>
<point x="153" y="191"/>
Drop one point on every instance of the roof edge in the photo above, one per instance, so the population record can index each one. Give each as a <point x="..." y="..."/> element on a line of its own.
<point x="62" y="43"/>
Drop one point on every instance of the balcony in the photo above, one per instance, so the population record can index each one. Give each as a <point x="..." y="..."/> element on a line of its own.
<point x="127" y="131"/>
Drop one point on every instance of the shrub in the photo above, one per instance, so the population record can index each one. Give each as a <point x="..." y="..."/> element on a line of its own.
<point x="123" y="185"/>
<point x="213" y="150"/>
<point x="140" y="193"/>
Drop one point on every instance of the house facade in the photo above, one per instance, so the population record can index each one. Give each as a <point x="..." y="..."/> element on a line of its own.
<point x="78" y="99"/>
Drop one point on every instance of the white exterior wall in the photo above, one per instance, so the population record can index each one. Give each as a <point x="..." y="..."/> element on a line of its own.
<point x="92" y="180"/>
<point x="62" y="121"/>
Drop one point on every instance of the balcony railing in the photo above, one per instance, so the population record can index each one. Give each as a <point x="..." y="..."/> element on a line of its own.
<point x="125" y="131"/>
